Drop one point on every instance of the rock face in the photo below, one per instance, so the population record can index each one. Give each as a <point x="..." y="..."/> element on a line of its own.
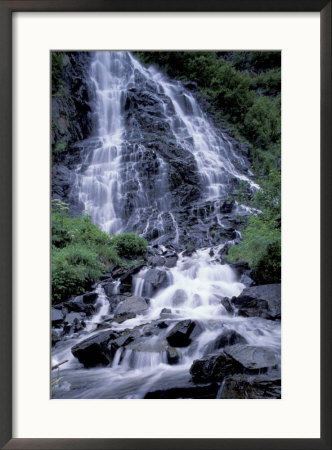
<point x="71" y="99"/>
<point x="182" y="334"/>
<point x="259" y="301"/>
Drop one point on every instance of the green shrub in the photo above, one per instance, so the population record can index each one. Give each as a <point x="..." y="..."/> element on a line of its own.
<point x="261" y="249"/>
<point x="81" y="252"/>
<point x="129" y="244"/>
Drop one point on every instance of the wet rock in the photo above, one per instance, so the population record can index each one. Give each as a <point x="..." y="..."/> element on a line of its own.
<point x="252" y="387"/>
<point x="252" y="358"/>
<point x="228" y="337"/>
<point x="173" y="355"/>
<point x="227" y="207"/>
<point x="133" y="304"/>
<point x="171" y="261"/>
<point x="123" y="317"/>
<point x="179" y="297"/>
<point x="182" y="334"/>
<point x="184" y="389"/>
<point x="213" y="367"/>
<point x="57" y="334"/>
<point x="259" y="301"/>
<point x="191" y="85"/>
<point x="247" y="281"/>
<point x="78" y="304"/>
<point x="126" y="277"/>
<point x="227" y="305"/>
<point x="155" y="278"/>
<point x="235" y="359"/>
<point x="93" y="351"/>
<point x="57" y="317"/>
<point x="90" y="298"/>
<point x="70" y="317"/>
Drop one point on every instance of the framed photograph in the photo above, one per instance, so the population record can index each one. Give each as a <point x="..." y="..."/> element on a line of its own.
<point x="166" y="225"/>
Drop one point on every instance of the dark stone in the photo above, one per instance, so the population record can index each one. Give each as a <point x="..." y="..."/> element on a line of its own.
<point x="227" y="207"/>
<point x="259" y="301"/>
<point x="186" y="390"/>
<point x="166" y="311"/>
<point x="227" y="305"/>
<point x="228" y="337"/>
<point x="191" y="85"/>
<point x="90" y="298"/>
<point x="182" y="334"/>
<point x="252" y="387"/>
<point x="233" y="360"/>
<point x="213" y="367"/>
<point x="93" y="351"/>
<point x="78" y="305"/>
<point x="173" y="355"/>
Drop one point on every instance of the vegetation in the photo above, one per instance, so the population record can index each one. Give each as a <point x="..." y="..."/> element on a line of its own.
<point x="243" y="92"/>
<point x="81" y="252"/>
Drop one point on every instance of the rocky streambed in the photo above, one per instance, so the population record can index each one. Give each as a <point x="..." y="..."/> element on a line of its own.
<point x="185" y="328"/>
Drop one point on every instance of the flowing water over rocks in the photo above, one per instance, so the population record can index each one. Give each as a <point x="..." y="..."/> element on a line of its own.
<point x="183" y="324"/>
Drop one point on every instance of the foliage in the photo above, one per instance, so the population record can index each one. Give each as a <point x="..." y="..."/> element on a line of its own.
<point x="56" y="69"/>
<point x="81" y="252"/>
<point x="261" y="249"/>
<point x="129" y="244"/>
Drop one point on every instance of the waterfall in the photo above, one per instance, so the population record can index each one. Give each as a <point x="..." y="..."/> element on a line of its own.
<point x="121" y="187"/>
<point x="156" y="165"/>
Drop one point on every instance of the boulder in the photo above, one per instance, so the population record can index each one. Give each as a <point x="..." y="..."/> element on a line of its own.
<point x="228" y="337"/>
<point x="171" y="261"/>
<point x="131" y="305"/>
<point x="155" y="277"/>
<point x="70" y="317"/>
<point x="259" y="301"/>
<point x="94" y="351"/>
<point x="252" y="359"/>
<point x="213" y="367"/>
<point x="173" y="355"/>
<point x="56" y="317"/>
<point x="227" y="305"/>
<point x="78" y="304"/>
<point x="235" y="359"/>
<point x="182" y="334"/>
<point x="185" y="389"/>
<point x="252" y="387"/>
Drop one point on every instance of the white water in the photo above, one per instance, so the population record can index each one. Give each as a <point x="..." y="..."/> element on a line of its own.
<point x="110" y="171"/>
<point x="193" y="288"/>
<point x="197" y="285"/>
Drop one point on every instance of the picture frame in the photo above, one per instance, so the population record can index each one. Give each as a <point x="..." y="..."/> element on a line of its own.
<point x="7" y="8"/>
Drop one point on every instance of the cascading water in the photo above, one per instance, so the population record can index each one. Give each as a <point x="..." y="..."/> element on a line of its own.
<point x="126" y="183"/>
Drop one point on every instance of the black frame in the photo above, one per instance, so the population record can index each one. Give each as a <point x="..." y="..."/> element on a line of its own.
<point x="7" y="7"/>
